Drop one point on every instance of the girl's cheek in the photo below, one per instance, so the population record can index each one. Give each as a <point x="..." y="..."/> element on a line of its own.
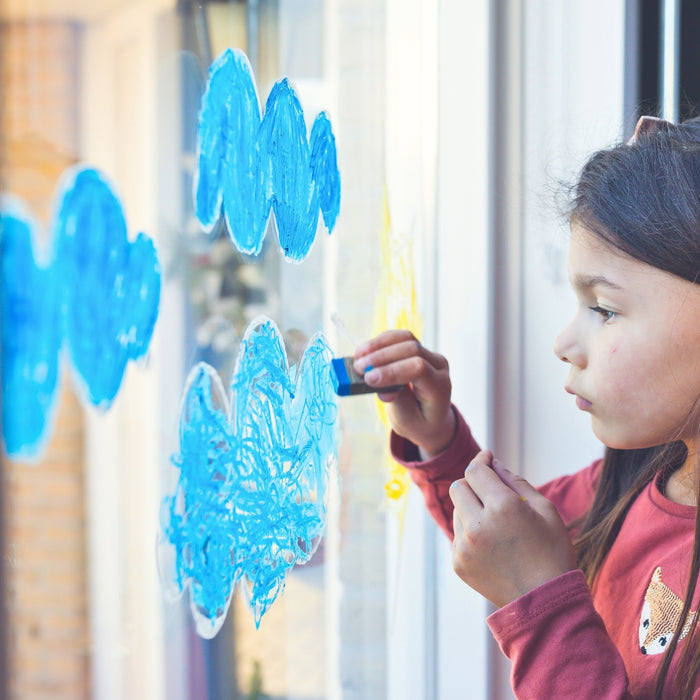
<point x="613" y="373"/>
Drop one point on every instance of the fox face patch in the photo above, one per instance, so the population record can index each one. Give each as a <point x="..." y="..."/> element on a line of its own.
<point x="660" y="614"/>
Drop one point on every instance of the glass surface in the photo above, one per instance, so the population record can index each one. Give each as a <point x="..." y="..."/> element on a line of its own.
<point x="117" y="87"/>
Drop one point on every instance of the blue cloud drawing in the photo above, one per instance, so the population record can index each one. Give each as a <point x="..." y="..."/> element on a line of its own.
<point x="111" y="286"/>
<point x="250" y="501"/>
<point x="97" y="293"/>
<point x="30" y="333"/>
<point x="249" y="165"/>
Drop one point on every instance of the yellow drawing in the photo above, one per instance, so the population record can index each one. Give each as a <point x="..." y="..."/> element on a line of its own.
<point x="396" y="308"/>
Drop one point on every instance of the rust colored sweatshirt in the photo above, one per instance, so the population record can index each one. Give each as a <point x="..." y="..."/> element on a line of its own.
<point x="563" y="640"/>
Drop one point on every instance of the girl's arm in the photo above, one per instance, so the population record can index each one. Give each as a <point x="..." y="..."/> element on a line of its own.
<point x="556" y="641"/>
<point x="558" y="645"/>
<point x="429" y="437"/>
<point x="510" y="543"/>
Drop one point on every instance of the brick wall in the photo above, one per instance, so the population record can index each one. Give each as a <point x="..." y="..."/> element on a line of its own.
<point x="46" y="572"/>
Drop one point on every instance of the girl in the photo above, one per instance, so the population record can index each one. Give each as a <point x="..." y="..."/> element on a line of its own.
<point x="595" y="574"/>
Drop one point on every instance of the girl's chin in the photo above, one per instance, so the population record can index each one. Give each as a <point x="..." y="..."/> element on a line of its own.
<point x="616" y="441"/>
<point x="613" y="439"/>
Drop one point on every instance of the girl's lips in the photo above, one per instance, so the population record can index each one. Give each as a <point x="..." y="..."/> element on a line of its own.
<point x="582" y="403"/>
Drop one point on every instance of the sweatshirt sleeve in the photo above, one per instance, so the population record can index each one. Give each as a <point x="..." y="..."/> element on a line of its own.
<point x="558" y="645"/>
<point x="435" y="476"/>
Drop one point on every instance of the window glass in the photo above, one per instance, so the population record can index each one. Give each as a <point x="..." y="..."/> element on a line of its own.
<point x="101" y="106"/>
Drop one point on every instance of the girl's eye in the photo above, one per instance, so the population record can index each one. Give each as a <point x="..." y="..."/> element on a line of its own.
<point x="605" y="313"/>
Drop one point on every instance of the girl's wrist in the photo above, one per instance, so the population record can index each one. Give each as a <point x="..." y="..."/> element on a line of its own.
<point x="440" y="439"/>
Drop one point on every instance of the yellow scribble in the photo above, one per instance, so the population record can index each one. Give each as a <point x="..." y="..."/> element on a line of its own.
<point x="396" y="308"/>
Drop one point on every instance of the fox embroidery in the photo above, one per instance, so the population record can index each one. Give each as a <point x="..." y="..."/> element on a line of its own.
<point x="660" y="615"/>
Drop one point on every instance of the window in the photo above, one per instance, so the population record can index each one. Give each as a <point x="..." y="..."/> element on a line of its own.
<point x="407" y="84"/>
<point x="648" y="28"/>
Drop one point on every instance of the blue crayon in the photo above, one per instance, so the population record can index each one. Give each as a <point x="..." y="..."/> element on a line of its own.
<point x="347" y="382"/>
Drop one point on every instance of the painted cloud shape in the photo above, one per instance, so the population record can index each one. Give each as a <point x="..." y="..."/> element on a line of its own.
<point x="249" y="165"/>
<point x="250" y="501"/>
<point x="97" y="293"/>
<point x="30" y="333"/>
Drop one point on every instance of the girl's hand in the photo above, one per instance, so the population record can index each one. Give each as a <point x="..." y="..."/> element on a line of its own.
<point x="421" y="412"/>
<point x="509" y="539"/>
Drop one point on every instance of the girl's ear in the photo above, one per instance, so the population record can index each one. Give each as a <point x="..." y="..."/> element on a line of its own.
<point x="648" y="125"/>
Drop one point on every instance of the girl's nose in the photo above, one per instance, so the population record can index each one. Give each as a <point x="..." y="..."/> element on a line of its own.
<point x="568" y="348"/>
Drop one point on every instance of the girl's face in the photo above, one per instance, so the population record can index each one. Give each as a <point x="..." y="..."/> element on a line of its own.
<point x="633" y="346"/>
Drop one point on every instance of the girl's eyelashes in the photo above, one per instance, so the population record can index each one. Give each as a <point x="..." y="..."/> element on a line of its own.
<point x="605" y="313"/>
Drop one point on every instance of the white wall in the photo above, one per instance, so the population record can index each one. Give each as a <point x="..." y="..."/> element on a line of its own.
<point x="573" y="104"/>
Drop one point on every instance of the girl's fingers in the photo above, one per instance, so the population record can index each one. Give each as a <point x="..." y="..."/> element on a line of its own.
<point x="467" y="505"/>
<point x="408" y="370"/>
<point x="496" y="486"/>
<point x="415" y="382"/>
<point x="403" y="364"/>
<point x="384" y="339"/>
<point x="403" y="346"/>
<point x="398" y="350"/>
<point x="523" y="488"/>
<point x="493" y="483"/>
<point x="482" y="479"/>
<point x="388" y="396"/>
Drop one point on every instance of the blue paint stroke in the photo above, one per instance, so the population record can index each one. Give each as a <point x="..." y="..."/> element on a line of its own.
<point x="248" y="165"/>
<point x="233" y="171"/>
<point x="30" y="334"/>
<point x="294" y="199"/>
<point x="111" y="285"/>
<point x="97" y="292"/>
<point x="324" y="169"/>
<point x="250" y="502"/>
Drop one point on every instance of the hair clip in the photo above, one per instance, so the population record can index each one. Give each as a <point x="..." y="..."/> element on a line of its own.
<point x="648" y="125"/>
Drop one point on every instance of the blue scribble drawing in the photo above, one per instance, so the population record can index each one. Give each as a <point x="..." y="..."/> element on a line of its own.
<point x="249" y="165"/>
<point x="250" y="502"/>
<point x="96" y="293"/>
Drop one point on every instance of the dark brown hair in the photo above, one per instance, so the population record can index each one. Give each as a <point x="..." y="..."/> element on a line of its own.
<point x="643" y="198"/>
